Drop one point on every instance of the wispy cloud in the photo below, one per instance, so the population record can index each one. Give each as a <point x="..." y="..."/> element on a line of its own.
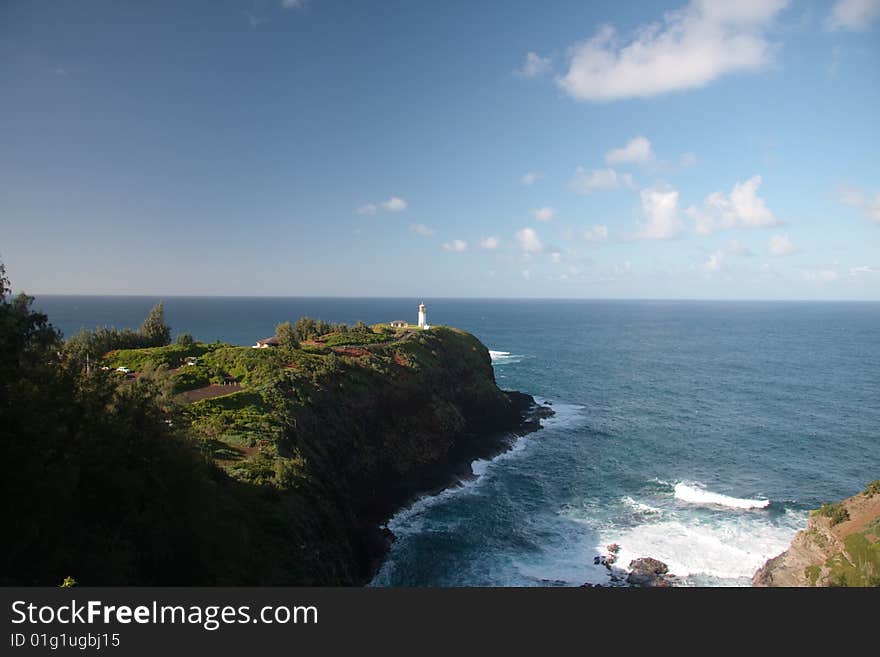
<point x="637" y="151"/>
<point x="535" y="66"/>
<point x="596" y="233"/>
<point x="585" y="182"/>
<point x="820" y="275"/>
<point x="544" y="214"/>
<point x="393" y="204"/>
<point x="456" y="246"/>
<point x="489" y="243"/>
<point x="853" y="15"/>
<point x="742" y="208"/>
<point x="737" y="248"/>
<point x="715" y="262"/>
<point x="294" y="4"/>
<point x="861" y="201"/>
<point x="530" y="178"/>
<point x="689" y="48"/>
<point x="422" y="229"/>
<point x="781" y="245"/>
<point x="253" y="20"/>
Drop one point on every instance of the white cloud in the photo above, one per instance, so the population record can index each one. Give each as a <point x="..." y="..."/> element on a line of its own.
<point x="689" y="48"/>
<point x="741" y="208"/>
<point x="394" y="204"/>
<point x="660" y="208"/>
<point x="544" y="214"/>
<point x="858" y="271"/>
<point x="820" y="275"/>
<point x="856" y="15"/>
<point x="585" y="181"/>
<point x="859" y="200"/>
<point x="294" y="4"/>
<point x="637" y="151"/>
<point x="688" y="159"/>
<point x="526" y="274"/>
<point x="535" y="66"/>
<point x="530" y="178"/>
<point x="455" y="246"/>
<point x="489" y="242"/>
<point x="556" y="256"/>
<point x="596" y="233"/>
<point x="781" y="245"/>
<point x="422" y="229"/>
<point x="528" y="241"/>
<point x="715" y="262"/>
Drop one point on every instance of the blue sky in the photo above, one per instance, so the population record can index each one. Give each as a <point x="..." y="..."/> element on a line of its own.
<point x="411" y="148"/>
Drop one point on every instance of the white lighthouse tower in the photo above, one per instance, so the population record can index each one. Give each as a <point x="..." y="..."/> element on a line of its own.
<point x="423" y="317"/>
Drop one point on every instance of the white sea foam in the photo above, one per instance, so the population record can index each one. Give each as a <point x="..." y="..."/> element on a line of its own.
<point x="697" y="495"/>
<point x="638" y="507"/>
<point x="733" y="548"/>
<point x="504" y="357"/>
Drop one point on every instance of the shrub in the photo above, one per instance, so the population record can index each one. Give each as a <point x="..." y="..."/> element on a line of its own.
<point x="185" y="340"/>
<point x="836" y="512"/>
<point x="873" y="488"/>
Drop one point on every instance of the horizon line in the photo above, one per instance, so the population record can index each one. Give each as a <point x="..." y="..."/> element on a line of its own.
<point x="440" y="298"/>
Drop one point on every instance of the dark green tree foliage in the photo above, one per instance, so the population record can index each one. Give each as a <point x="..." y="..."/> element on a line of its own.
<point x="185" y="340"/>
<point x="95" y="484"/>
<point x="154" y="327"/>
<point x="287" y="336"/>
<point x="96" y="343"/>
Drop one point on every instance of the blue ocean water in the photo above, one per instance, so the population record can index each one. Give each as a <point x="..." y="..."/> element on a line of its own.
<point x="698" y="433"/>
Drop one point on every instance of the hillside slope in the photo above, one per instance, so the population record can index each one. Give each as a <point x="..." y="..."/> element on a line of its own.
<point x="840" y="547"/>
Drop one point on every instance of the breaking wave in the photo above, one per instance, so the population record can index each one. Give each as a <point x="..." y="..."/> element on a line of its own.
<point x="695" y="495"/>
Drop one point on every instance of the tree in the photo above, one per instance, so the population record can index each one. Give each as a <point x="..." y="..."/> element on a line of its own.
<point x="305" y="328"/>
<point x="287" y="336"/>
<point x="154" y="329"/>
<point x="185" y="340"/>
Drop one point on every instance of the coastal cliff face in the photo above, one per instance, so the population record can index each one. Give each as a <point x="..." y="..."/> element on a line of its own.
<point x="392" y="423"/>
<point x="839" y="547"/>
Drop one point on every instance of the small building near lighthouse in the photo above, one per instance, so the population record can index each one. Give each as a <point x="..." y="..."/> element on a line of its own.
<point x="423" y="317"/>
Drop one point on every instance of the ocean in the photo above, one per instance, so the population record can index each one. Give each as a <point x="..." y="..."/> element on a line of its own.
<point x="699" y="433"/>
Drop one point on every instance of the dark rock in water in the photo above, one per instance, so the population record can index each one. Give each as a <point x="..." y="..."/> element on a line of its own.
<point x="614" y="548"/>
<point x="647" y="572"/>
<point x="606" y="560"/>
<point x="541" y="412"/>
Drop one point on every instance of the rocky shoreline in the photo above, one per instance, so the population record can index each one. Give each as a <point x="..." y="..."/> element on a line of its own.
<point x="644" y="572"/>
<point x="839" y="547"/>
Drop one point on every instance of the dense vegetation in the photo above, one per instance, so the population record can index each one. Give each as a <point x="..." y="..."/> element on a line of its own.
<point x="278" y="479"/>
<point x="88" y="344"/>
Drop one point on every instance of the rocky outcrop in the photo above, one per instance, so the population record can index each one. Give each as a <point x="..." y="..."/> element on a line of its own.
<point x="647" y="572"/>
<point x="839" y="547"/>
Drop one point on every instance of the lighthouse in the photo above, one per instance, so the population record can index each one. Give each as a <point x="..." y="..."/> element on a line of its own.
<point x="423" y="317"/>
